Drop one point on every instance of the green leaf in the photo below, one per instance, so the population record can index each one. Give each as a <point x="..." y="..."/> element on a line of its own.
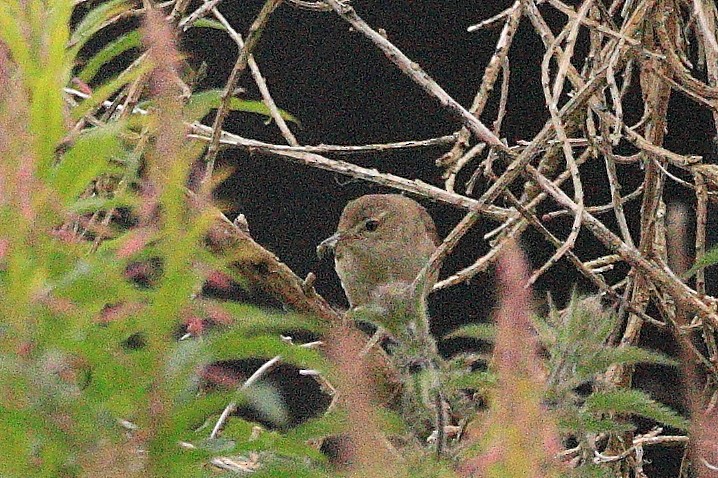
<point x="264" y="322"/>
<point x="47" y="121"/>
<point x="94" y="21"/>
<point x="112" y="50"/>
<point x="634" y="402"/>
<point x="278" y="444"/>
<point x="590" y="470"/>
<point x="708" y="259"/>
<point x="201" y="103"/>
<point x="11" y="33"/>
<point x="93" y="204"/>
<point x="574" y="421"/>
<point x="109" y="88"/>
<point x="190" y="416"/>
<point x="472" y="380"/>
<point x="208" y="23"/>
<point x="85" y="160"/>
<point x="629" y="355"/>
<point x="331" y="423"/>
<point x="485" y="332"/>
<point x="235" y="345"/>
<point x="216" y="445"/>
<point x="266" y="400"/>
<point x="283" y="468"/>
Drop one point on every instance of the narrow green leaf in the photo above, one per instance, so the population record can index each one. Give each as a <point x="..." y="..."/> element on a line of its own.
<point x="94" y="21"/>
<point x="47" y="122"/>
<point x="11" y="33"/>
<point x="58" y="63"/>
<point x="216" y="445"/>
<point x="208" y="23"/>
<point x="331" y="423"/>
<point x="486" y="332"/>
<point x="472" y="380"/>
<point x="264" y="322"/>
<point x="231" y="346"/>
<point x="201" y="103"/>
<point x="603" y="358"/>
<point x="634" y="402"/>
<point x="97" y="203"/>
<point x="112" y="50"/>
<point x="266" y="400"/>
<point x="85" y="160"/>
<point x="108" y="89"/>
<point x="708" y="259"/>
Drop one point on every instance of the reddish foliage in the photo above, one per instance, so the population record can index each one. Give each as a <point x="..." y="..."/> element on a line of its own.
<point x="519" y="427"/>
<point x="219" y="280"/>
<point x="136" y="241"/>
<point x="217" y="314"/>
<point x="222" y="376"/>
<point x="365" y="451"/>
<point x="194" y="325"/>
<point x="114" y="312"/>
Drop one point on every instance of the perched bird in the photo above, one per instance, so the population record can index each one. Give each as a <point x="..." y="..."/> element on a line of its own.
<point x="381" y="244"/>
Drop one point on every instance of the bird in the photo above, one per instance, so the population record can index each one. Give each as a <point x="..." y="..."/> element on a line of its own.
<point x="382" y="243"/>
<point x="382" y="247"/>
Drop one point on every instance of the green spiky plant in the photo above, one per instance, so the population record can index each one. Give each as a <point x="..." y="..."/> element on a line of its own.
<point x="576" y="340"/>
<point x="94" y="382"/>
<point x="534" y="400"/>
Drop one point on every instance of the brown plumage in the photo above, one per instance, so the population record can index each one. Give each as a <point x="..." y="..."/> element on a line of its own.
<point x="382" y="242"/>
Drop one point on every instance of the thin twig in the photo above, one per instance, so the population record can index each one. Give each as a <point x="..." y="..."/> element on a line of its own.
<point x="258" y="374"/>
<point x="255" y="32"/>
<point x="259" y="80"/>
<point x="488" y="80"/>
<point x="417" y="74"/>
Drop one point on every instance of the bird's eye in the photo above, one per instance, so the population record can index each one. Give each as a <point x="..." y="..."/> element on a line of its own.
<point x="372" y="225"/>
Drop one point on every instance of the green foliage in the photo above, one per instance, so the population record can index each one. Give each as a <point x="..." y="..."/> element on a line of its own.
<point x="201" y="103"/>
<point x="579" y="355"/>
<point x="115" y="48"/>
<point x="94" y="20"/>
<point x="706" y="260"/>
<point x="633" y="402"/>
<point x="590" y="471"/>
<point x="105" y="91"/>
<point x="89" y="155"/>
<point x="86" y="350"/>
<point x="576" y="341"/>
<point x="208" y="23"/>
<point x="486" y="332"/>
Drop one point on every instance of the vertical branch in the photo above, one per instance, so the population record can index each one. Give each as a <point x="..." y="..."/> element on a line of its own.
<point x="707" y="32"/>
<point x="656" y="94"/>
<point x="259" y="80"/>
<point x="615" y="187"/>
<point x="488" y="80"/>
<point x="255" y="32"/>
<point x="706" y="28"/>
<point x="701" y="223"/>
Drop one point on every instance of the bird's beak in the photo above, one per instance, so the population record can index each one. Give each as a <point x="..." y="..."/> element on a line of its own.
<point x="328" y="245"/>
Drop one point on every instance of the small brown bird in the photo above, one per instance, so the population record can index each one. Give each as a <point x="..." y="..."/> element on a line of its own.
<point x="382" y="243"/>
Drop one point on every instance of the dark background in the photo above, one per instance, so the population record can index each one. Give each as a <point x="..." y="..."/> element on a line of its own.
<point x="344" y="91"/>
